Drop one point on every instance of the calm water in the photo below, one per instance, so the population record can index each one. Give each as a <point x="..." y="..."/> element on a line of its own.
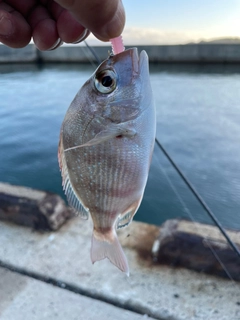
<point x="198" y="122"/>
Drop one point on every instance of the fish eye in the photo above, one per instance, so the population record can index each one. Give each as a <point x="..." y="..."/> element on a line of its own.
<point x="106" y="81"/>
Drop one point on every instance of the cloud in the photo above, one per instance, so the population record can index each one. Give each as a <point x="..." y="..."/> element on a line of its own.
<point x="154" y="36"/>
<point x="151" y="36"/>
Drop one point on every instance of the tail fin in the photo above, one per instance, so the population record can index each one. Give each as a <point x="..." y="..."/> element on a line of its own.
<point x="108" y="246"/>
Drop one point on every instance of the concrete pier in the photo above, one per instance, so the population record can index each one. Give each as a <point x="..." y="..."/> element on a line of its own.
<point x="101" y="291"/>
<point x="189" y="53"/>
<point x="25" y="55"/>
<point x="49" y="275"/>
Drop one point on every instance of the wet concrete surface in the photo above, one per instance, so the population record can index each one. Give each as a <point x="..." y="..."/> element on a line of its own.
<point x="158" y="291"/>
<point x="23" y="298"/>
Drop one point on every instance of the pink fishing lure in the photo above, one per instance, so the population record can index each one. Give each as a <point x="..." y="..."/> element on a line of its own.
<point x="117" y="45"/>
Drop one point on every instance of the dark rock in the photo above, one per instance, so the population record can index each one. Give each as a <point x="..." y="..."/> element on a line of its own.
<point x="198" y="247"/>
<point x="37" y="209"/>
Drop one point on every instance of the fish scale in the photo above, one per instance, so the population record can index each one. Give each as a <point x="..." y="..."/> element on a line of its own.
<point x="105" y="149"/>
<point x="105" y="181"/>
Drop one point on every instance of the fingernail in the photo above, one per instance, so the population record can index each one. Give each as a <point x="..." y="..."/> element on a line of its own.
<point x="6" y="26"/>
<point x="83" y="36"/>
<point x="57" y="44"/>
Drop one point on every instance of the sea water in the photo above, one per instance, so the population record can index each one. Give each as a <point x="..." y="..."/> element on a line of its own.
<point x="198" y="123"/>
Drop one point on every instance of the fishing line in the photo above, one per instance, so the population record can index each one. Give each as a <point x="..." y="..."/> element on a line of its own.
<point x="93" y="52"/>
<point x="93" y="64"/>
<point x="190" y="186"/>
<point x="219" y="260"/>
<point x="199" y="198"/>
<point x="186" y="209"/>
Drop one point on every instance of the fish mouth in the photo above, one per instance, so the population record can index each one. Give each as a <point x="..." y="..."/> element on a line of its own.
<point x="128" y="65"/>
<point x="143" y="62"/>
<point x="140" y="62"/>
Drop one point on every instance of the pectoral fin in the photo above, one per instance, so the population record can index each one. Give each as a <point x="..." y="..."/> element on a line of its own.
<point x="114" y="130"/>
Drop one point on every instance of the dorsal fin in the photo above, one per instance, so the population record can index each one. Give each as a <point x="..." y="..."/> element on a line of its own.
<point x="72" y="198"/>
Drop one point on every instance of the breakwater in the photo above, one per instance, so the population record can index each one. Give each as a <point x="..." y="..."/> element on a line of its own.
<point x="190" y="53"/>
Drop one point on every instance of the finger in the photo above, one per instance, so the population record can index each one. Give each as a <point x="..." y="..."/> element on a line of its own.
<point x="15" y="32"/>
<point x="44" y="29"/>
<point x="45" y="35"/>
<point x="104" y="18"/>
<point x="22" y="6"/>
<point x="74" y="32"/>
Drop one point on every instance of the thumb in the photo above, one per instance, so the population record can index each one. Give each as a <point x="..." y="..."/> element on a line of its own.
<point x="104" y="18"/>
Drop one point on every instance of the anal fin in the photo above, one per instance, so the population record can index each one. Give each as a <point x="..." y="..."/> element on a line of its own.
<point x="126" y="218"/>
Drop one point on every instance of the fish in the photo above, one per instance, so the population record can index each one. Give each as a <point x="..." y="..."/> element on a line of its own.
<point x="105" y="149"/>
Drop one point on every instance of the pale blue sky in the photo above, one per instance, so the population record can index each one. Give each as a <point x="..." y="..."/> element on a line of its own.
<point x="178" y="22"/>
<point x="175" y="21"/>
<point x="176" y="14"/>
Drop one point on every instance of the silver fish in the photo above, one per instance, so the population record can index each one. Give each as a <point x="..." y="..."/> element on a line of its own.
<point x="105" y="149"/>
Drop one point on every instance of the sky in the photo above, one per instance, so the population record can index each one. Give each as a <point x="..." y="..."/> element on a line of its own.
<point x="179" y="21"/>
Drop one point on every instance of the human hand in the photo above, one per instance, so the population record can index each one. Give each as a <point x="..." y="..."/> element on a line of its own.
<point x="50" y="22"/>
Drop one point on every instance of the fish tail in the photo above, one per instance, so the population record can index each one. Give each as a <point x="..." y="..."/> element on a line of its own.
<point x="108" y="246"/>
